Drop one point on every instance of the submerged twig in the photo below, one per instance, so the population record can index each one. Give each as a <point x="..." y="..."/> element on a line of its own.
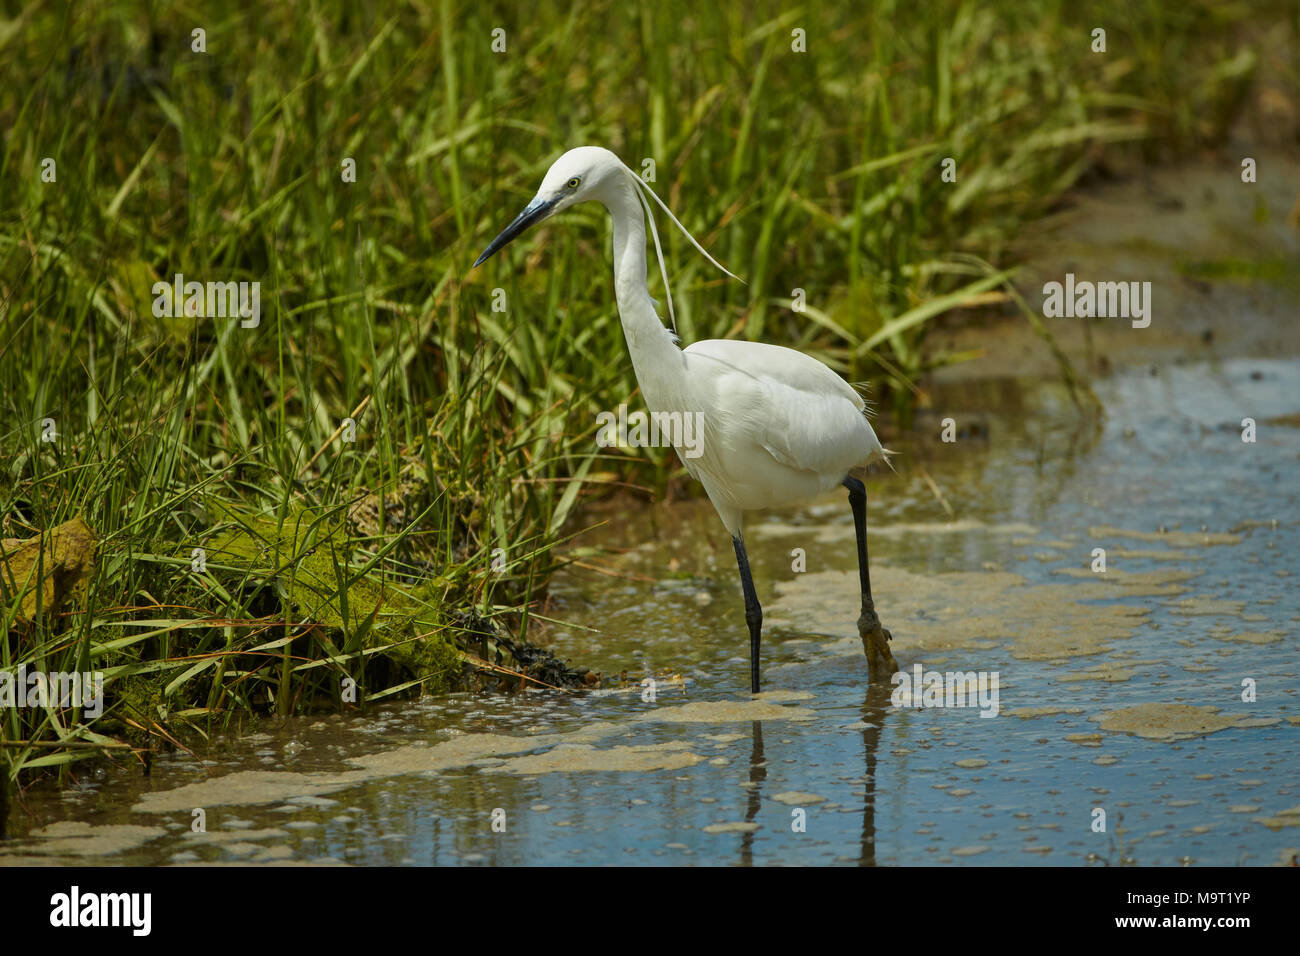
<point x="938" y="494"/>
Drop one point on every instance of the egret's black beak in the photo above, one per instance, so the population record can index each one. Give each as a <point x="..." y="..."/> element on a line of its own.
<point x="534" y="212"/>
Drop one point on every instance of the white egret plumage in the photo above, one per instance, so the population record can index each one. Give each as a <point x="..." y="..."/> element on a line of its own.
<point x="779" y="427"/>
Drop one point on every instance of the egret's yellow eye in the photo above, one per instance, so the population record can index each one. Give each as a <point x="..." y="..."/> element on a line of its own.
<point x="573" y="183"/>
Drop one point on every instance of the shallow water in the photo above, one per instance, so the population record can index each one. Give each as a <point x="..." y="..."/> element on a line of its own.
<point x="1120" y="691"/>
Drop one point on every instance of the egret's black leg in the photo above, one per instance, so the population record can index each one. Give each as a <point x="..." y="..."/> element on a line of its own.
<point x="875" y="639"/>
<point x="753" y="613"/>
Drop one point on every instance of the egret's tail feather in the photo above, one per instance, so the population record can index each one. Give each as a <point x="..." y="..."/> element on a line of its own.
<point x="886" y="455"/>
<point x="863" y="389"/>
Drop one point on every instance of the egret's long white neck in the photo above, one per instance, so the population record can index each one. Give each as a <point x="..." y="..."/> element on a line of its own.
<point x="656" y="359"/>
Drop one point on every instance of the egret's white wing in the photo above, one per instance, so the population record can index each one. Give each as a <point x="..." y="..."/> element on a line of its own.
<point x="779" y="364"/>
<point x="794" y="408"/>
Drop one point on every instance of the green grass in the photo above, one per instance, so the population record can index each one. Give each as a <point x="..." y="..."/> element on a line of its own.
<point x="372" y="559"/>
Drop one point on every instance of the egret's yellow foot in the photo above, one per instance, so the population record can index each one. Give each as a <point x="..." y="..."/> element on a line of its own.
<point x="875" y="644"/>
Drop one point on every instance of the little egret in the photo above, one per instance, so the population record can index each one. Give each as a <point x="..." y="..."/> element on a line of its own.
<point x="779" y="427"/>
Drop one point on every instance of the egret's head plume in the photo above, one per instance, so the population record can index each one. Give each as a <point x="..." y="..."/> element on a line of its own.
<point x="587" y="172"/>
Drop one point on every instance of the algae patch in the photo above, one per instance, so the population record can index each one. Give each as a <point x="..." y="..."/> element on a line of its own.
<point x="796" y="798"/>
<point x="738" y="826"/>
<point x="1207" y="607"/>
<point x="245" y="788"/>
<point x="1249" y="637"/>
<point x="960" y="609"/>
<point x="835" y="533"/>
<point x="1102" y="672"/>
<point x="1175" y="539"/>
<point x="1284" y="818"/>
<point x="78" y="839"/>
<point x="1167" y="722"/>
<point x="1028" y="713"/>
<point x="460" y="751"/>
<point x="724" y="711"/>
<point x="581" y="758"/>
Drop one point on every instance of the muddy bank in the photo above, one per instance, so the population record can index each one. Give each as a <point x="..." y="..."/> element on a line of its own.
<point x="1222" y="258"/>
